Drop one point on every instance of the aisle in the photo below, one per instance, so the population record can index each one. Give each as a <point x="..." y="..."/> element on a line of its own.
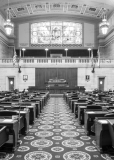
<point x="56" y="135"/>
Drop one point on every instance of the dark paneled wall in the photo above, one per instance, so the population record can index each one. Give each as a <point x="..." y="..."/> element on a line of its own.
<point x="44" y="74"/>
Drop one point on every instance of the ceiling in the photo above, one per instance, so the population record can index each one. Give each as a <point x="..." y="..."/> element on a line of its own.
<point x="85" y="8"/>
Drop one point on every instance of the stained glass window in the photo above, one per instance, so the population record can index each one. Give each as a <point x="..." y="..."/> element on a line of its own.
<point x="56" y="32"/>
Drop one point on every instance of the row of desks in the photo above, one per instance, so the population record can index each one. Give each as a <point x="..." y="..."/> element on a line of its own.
<point x="27" y="111"/>
<point x="13" y="127"/>
<point x="104" y="126"/>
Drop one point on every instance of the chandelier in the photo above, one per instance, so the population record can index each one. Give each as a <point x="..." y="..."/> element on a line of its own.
<point x="8" y="25"/>
<point x="104" y="25"/>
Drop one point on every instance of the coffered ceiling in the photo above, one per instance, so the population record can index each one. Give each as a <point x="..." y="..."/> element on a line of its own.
<point x="84" y="8"/>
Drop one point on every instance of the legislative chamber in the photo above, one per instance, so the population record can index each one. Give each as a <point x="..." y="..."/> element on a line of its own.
<point x="56" y="80"/>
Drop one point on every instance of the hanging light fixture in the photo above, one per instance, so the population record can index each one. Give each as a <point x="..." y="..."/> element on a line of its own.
<point x="104" y="25"/>
<point x="8" y="25"/>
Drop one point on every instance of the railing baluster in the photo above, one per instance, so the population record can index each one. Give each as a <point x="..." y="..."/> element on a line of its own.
<point x="68" y="61"/>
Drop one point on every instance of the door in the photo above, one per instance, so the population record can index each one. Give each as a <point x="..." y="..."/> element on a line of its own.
<point x="101" y="84"/>
<point x="11" y="84"/>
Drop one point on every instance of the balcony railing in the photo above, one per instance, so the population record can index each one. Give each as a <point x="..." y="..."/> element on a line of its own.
<point x="62" y="61"/>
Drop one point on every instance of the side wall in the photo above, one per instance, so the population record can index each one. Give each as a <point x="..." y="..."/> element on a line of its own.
<point x="108" y="73"/>
<point x="18" y="77"/>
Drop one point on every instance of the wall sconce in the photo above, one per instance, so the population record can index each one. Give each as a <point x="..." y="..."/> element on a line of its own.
<point x="66" y="49"/>
<point x="25" y="78"/>
<point x="46" y="49"/>
<point x="89" y="49"/>
<point x="23" y="49"/>
<point x="19" y="69"/>
<point x="93" y="70"/>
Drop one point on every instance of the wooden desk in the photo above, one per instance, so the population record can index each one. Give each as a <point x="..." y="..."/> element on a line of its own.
<point x="39" y="102"/>
<point x="81" y="114"/>
<point x="25" y="114"/>
<point x="58" y="89"/>
<point x="101" y="103"/>
<point x="37" y="105"/>
<point x="24" y="120"/>
<point x="76" y="105"/>
<point x="45" y="97"/>
<point x="12" y="125"/>
<point x="111" y="129"/>
<point x="3" y="135"/>
<point x="32" y="112"/>
<point x="89" y="117"/>
<point x="72" y="101"/>
<point x="36" y="99"/>
<point x="28" y="103"/>
<point x="38" y="108"/>
<point x="5" y="103"/>
<point x="106" y="98"/>
<point x="102" y="133"/>
<point x="6" y="116"/>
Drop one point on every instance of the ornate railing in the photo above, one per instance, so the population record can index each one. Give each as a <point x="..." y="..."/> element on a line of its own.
<point x="61" y="61"/>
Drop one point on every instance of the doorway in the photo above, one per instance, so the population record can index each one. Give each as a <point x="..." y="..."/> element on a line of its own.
<point x="101" y="83"/>
<point x="11" y="84"/>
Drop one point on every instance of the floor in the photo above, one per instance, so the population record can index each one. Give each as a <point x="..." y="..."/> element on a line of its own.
<point x="56" y="135"/>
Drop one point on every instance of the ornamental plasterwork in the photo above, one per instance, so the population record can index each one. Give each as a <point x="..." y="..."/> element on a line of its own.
<point x="58" y="8"/>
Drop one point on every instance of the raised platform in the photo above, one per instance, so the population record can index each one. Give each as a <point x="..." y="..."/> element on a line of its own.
<point x="56" y="95"/>
<point x="57" y="89"/>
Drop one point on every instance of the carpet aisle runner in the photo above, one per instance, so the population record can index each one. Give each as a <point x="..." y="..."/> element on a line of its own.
<point x="56" y="135"/>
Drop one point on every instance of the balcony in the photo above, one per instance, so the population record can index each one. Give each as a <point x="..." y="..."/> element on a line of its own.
<point x="57" y="62"/>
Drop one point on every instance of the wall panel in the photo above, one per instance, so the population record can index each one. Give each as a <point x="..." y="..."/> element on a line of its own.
<point x="44" y="74"/>
<point x="23" y="35"/>
<point x="89" y="38"/>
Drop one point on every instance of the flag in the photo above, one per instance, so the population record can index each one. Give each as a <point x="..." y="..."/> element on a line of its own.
<point x="14" y="58"/>
<point x="98" y="54"/>
<point x="92" y="62"/>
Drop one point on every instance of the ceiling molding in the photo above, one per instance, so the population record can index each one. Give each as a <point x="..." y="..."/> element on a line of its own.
<point x="39" y="8"/>
<point x="67" y="17"/>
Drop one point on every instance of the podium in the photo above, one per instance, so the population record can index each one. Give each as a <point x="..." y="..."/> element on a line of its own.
<point x="56" y="82"/>
<point x="56" y="85"/>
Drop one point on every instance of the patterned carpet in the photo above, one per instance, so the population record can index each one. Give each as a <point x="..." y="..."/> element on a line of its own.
<point x="56" y="135"/>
